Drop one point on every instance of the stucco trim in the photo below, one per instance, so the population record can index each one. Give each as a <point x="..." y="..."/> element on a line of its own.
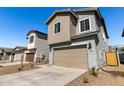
<point x="59" y="21"/>
<point x="90" y="25"/>
<point x="85" y="34"/>
<point x="73" y="44"/>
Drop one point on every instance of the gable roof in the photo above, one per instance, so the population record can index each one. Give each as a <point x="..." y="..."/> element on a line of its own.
<point x="11" y="50"/>
<point x="17" y="48"/>
<point x="97" y="13"/>
<point x="74" y="11"/>
<point x="39" y="34"/>
<point x="7" y="50"/>
<point x="61" y="11"/>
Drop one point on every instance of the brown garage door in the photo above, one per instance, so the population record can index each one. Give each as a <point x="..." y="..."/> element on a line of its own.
<point x="75" y="57"/>
<point x="30" y="57"/>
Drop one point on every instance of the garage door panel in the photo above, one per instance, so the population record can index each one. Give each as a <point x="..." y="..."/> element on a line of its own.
<point x="30" y="57"/>
<point x="71" y="57"/>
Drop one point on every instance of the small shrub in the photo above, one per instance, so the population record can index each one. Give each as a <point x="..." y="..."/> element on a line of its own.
<point x="19" y="69"/>
<point x="32" y="65"/>
<point x="85" y="80"/>
<point x="1" y="66"/>
<point x="43" y="57"/>
<point x="94" y="72"/>
<point x="46" y="61"/>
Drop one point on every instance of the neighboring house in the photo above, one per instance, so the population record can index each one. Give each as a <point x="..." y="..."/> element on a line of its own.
<point x="120" y="50"/>
<point x="77" y="38"/>
<point x="12" y="54"/>
<point x="37" y="46"/>
<point x="17" y="54"/>
<point x="1" y="54"/>
<point x="6" y="53"/>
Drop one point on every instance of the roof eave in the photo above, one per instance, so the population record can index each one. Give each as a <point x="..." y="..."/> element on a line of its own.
<point x="71" y="11"/>
<point x="105" y="28"/>
<point x="35" y="31"/>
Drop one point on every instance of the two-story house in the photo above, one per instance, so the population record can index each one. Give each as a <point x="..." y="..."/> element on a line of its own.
<point x="37" y="48"/>
<point x="77" y="38"/>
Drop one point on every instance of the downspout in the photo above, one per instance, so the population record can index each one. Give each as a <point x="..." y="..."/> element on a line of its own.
<point x="3" y="55"/>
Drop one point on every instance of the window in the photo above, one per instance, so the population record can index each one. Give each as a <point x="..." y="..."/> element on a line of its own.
<point x="85" y="25"/>
<point x="57" y="27"/>
<point x="31" y="40"/>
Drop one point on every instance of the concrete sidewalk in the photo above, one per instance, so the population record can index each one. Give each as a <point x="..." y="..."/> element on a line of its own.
<point x="47" y="75"/>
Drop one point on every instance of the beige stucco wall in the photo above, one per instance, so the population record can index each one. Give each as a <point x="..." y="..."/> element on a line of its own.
<point x="64" y="34"/>
<point x="73" y="24"/>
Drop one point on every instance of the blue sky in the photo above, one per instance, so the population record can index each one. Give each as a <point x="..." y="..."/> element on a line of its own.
<point x="16" y="22"/>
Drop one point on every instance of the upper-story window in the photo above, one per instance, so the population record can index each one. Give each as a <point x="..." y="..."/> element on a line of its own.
<point x="85" y="25"/>
<point x="31" y="39"/>
<point x="57" y="27"/>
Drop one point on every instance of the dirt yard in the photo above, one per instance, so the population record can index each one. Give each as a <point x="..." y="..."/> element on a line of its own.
<point x="8" y="68"/>
<point x="109" y="76"/>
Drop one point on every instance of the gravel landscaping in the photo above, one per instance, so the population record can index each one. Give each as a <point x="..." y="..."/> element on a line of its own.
<point x="108" y="76"/>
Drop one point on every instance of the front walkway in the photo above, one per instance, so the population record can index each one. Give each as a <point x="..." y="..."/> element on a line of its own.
<point x="45" y="75"/>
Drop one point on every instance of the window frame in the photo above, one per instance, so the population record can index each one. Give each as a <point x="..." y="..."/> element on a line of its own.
<point x="89" y="25"/>
<point x="54" y="27"/>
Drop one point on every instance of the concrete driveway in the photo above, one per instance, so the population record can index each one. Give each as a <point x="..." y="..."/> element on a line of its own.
<point x="47" y="75"/>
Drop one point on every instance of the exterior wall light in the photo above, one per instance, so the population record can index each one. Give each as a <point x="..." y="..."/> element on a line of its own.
<point x="89" y="46"/>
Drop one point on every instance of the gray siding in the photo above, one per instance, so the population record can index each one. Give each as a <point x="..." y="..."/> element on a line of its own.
<point x="102" y="46"/>
<point x="83" y="15"/>
<point x="101" y="41"/>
